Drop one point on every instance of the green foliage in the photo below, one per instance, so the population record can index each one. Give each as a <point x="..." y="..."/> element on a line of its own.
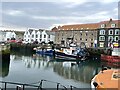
<point x="5" y="51"/>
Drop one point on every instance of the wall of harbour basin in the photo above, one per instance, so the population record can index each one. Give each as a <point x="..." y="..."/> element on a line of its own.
<point x="23" y="47"/>
<point x="4" y="52"/>
<point x="29" y="48"/>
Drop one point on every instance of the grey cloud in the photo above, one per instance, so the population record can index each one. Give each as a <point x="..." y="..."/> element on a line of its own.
<point x="45" y="14"/>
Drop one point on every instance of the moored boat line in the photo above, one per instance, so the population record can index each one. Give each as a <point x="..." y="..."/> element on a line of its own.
<point x="70" y="53"/>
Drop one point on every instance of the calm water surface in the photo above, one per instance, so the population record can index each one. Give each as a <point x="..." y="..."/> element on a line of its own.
<point x="33" y="68"/>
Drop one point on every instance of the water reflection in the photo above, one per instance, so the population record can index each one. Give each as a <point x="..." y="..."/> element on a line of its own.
<point x="4" y="67"/>
<point x="79" y="72"/>
<point x="36" y="61"/>
<point x="82" y="72"/>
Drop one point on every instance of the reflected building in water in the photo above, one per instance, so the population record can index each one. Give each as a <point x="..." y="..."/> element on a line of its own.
<point x="70" y="70"/>
<point x="82" y="72"/>
<point x="36" y="61"/>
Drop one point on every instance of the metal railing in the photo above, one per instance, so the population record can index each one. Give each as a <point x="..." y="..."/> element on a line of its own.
<point x="23" y="86"/>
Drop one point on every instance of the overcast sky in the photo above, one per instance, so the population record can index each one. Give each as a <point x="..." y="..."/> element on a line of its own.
<point x="52" y="13"/>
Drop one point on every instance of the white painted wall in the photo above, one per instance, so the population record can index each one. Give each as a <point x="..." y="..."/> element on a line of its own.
<point x="2" y="36"/>
<point x="10" y="35"/>
<point x="27" y="36"/>
<point x="44" y="39"/>
<point x="42" y="33"/>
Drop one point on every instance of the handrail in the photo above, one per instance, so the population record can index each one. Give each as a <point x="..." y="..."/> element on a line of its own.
<point x="19" y="83"/>
<point x="39" y="87"/>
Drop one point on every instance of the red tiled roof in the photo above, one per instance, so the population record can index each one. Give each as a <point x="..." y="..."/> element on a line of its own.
<point x="89" y="26"/>
<point x="79" y="26"/>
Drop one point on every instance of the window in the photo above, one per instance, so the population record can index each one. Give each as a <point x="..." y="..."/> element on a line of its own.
<point x="31" y="40"/>
<point x="117" y="32"/>
<point x="86" y="34"/>
<point x="48" y="36"/>
<point x="80" y="38"/>
<point x="32" y="36"/>
<point x="110" y="38"/>
<point x="116" y="38"/>
<point x="113" y="25"/>
<point x="40" y="40"/>
<point x="36" y="36"/>
<point x="86" y="39"/>
<point x="110" y="32"/>
<point x="40" y="36"/>
<point x="44" y="36"/>
<point x="101" y="44"/>
<point x="101" y="38"/>
<point x="102" y="25"/>
<point x="102" y="32"/>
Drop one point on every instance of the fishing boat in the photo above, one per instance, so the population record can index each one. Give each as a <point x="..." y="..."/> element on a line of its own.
<point x="115" y="57"/>
<point x="44" y="51"/>
<point x="106" y="79"/>
<point x="72" y="53"/>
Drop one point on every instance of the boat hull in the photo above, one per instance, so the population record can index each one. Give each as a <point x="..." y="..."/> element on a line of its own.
<point x="60" y="55"/>
<point x="112" y="59"/>
<point x="42" y="52"/>
<point x="106" y="80"/>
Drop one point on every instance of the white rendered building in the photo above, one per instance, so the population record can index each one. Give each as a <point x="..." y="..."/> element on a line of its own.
<point x="39" y="35"/>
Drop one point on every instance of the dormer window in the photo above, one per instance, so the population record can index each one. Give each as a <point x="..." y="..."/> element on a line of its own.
<point x="113" y="25"/>
<point x="102" y="25"/>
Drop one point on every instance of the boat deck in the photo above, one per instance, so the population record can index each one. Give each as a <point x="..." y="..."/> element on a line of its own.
<point x="108" y="79"/>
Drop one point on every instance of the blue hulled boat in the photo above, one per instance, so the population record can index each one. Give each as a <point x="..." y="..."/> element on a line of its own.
<point x="44" y="51"/>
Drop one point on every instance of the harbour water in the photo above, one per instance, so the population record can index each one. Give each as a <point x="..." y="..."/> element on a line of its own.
<point x="32" y="68"/>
